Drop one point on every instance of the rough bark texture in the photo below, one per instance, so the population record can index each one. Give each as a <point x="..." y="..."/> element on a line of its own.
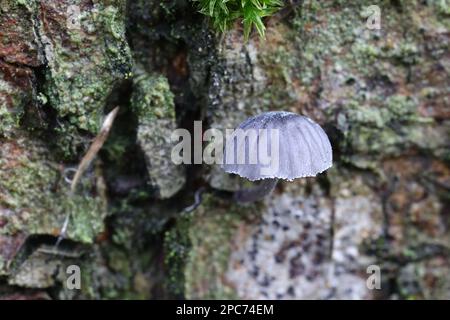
<point x="381" y="95"/>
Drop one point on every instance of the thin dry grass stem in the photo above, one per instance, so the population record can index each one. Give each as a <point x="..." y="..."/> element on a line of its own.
<point x="93" y="150"/>
<point x="95" y="147"/>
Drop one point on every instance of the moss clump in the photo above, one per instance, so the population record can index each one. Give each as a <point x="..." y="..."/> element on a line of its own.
<point x="377" y="130"/>
<point x="83" y="64"/>
<point x="152" y="101"/>
<point x="32" y="186"/>
<point x="15" y="96"/>
<point x="198" y="249"/>
<point x="176" y="246"/>
<point x="124" y="274"/>
<point x="86" y="63"/>
<point x="443" y="7"/>
<point x="8" y="120"/>
<point x="79" y="80"/>
<point x="224" y="13"/>
<point x="281" y="67"/>
<point x="152" y="98"/>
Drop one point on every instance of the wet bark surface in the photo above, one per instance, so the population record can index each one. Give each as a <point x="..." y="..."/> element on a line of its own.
<point x="382" y="96"/>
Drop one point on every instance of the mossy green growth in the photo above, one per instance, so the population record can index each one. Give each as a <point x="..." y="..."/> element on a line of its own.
<point x="176" y="246"/>
<point x="123" y="275"/>
<point x="384" y="129"/>
<point x="130" y="257"/>
<point x="153" y="103"/>
<point x="13" y="101"/>
<point x="363" y="76"/>
<point x="2" y="265"/>
<point x="282" y="66"/>
<point x="200" y="246"/>
<point x="84" y="66"/>
<point x="224" y="13"/>
<point x="32" y="186"/>
<point x="28" y="4"/>
<point x="152" y="98"/>
<point x="8" y="121"/>
<point x="443" y="7"/>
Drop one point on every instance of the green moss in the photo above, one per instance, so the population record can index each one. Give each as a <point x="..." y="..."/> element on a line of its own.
<point x="281" y="67"/>
<point x="81" y="76"/>
<point x="8" y="121"/>
<point x="2" y="266"/>
<point x="152" y="98"/>
<point x="385" y="129"/>
<point x="153" y="103"/>
<point x="198" y="249"/>
<point x="130" y="264"/>
<point x="211" y="234"/>
<point x="32" y="186"/>
<point x="225" y="12"/>
<point x="357" y="78"/>
<point x="28" y="4"/>
<point x="87" y="217"/>
<point x="176" y="246"/>
<point x="14" y="98"/>
<point x="443" y="7"/>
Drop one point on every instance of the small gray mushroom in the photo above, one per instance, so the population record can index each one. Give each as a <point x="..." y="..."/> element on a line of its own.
<point x="296" y="146"/>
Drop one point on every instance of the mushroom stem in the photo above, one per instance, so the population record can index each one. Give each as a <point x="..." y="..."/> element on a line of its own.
<point x="256" y="193"/>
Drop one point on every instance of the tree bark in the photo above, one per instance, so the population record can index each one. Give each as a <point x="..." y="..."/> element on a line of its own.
<point x="380" y="94"/>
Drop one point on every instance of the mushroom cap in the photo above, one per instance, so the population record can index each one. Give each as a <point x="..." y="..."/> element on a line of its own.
<point x="304" y="149"/>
